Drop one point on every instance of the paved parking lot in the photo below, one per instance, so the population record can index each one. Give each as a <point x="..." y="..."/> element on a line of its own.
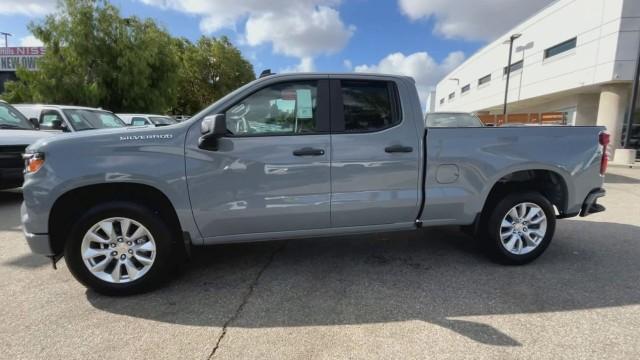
<point x="408" y="295"/>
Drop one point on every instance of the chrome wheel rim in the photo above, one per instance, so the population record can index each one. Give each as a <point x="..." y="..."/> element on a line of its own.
<point x="523" y="228"/>
<point x="118" y="250"/>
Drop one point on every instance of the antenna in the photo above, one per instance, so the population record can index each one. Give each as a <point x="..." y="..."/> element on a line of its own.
<point x="266" y="73"/>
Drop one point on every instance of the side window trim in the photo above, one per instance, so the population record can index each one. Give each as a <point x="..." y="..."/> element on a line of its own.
<point x="337" y="108"/>
<point x="322" y="108"/>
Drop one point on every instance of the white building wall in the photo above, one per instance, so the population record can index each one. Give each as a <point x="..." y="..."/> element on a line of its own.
<point x="607" y="42"/>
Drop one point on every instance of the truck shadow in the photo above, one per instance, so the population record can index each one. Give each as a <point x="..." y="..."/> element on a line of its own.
<point x="436" y="275"/>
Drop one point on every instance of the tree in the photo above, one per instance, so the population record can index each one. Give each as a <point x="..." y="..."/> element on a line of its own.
<point x="209" y="69"/>
<point x="94" y="57"/>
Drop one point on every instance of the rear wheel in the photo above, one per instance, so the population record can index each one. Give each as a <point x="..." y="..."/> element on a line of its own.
<point x="120" y="248"/>
<point x="520" y="228"/>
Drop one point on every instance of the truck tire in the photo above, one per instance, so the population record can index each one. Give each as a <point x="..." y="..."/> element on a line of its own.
<point x="519" y="227"/>
<point x="120" y="248"/>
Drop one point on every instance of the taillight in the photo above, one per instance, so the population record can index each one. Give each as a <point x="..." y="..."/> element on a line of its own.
<point x="604" y="138"/>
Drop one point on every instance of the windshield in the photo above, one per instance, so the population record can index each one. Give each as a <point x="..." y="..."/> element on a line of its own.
<point x="86" y="119"/>
<point x="162" y="120"/>
<point x="12" y="119"/>
<point x="453" y="120"/>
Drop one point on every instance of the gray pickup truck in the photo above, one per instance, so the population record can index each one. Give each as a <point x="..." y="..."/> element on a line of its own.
<point x="299" y="155"/>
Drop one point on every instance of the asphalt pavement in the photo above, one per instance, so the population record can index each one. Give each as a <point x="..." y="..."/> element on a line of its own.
<point x="427" y="294"/>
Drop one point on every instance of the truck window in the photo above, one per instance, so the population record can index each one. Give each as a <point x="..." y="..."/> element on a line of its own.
<point x="138" y="121"/>
<point x="48" y="117"/>
<point x="369" y="105"/>
<point x="280" y="109"/>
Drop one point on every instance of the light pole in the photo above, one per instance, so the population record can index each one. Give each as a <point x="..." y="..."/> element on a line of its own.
<point x="6" y="40"/>
<point x="512" y="38"/>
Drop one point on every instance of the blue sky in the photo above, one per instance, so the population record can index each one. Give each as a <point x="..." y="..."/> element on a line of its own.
<point x="422" y="38"/>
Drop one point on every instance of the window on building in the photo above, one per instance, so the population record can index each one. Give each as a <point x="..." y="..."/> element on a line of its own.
<point x="560" y="48"/>
<point x="465" y="88"/>
<point x="514" y="67"/>
<point x="441" y="101"/>
<point x="484" y="80"/>
<point x="452" y="95"/>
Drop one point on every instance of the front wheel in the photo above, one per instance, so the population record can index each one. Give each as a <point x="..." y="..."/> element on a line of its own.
<point x="520" y="227"/>
<point x="119" y="248"/>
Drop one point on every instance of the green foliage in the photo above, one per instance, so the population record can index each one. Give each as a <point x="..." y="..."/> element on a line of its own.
<point x="210" y="69"/>
<point x="94" y="57"/>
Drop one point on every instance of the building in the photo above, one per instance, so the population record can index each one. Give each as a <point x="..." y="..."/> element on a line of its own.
<point x="574" y="57"/>
<point x="11" y="58"/>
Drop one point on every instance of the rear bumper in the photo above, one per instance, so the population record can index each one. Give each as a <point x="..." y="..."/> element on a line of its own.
<point x="590" y="204"/>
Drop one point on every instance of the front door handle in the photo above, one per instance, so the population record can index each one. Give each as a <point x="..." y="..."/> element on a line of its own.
<point x="307" y="151"/>
<point x="398" y="149"/>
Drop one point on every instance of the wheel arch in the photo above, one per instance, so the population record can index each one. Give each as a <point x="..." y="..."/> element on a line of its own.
<point x="74" y="202"/>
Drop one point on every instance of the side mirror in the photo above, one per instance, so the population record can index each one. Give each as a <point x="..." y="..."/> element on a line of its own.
<point x="212" y="128"/>
<point x="35" y="123"/>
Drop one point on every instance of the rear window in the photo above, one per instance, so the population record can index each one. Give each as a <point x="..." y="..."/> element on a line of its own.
<point x="452" y="120"/>
<point x="369" y="105"/>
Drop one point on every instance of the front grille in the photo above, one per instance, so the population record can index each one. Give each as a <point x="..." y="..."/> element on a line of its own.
<point x="11" y="156"/>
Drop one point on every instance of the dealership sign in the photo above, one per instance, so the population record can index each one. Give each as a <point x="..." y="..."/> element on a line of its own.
<point x="12" y="58"/>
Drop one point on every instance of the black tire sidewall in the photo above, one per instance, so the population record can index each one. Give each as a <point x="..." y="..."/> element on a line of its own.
<point x="152" y="221"/>
<point x="500" y="209"/>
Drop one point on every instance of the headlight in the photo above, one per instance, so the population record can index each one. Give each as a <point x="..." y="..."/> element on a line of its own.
<point x="33" y="162"/>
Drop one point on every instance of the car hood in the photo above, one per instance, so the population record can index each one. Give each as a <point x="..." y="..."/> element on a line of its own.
<point x="22" y="137"/>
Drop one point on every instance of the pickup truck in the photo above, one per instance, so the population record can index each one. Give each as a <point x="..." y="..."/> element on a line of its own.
<point x="299" y="155"/>
<point x="68" y="118"/>
<point x="16" y="133"/>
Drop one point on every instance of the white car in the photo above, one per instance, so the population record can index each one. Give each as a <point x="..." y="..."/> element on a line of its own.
<point x="147" y="119"/>
<point x="68" y="118"/>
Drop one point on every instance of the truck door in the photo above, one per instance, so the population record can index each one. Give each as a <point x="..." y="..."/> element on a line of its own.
<point x="374" y="155"/>
<point x="271" y="172"/>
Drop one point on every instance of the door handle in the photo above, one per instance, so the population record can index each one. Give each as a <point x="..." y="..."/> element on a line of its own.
<point x="307" y="151"/>
<point x="398" y="149"/>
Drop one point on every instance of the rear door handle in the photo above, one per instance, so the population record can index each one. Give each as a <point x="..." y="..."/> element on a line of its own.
<point x="398" y="149"/>
<point x="307" y="151"/>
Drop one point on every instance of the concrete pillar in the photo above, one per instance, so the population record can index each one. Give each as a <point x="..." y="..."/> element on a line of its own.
<point x="614" y="101"/>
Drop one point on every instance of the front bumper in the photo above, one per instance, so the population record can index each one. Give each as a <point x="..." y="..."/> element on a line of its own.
<point x="38" y="243"/>
<point x="590" y="204"/>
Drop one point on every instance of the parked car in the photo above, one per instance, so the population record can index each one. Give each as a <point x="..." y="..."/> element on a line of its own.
<point x="69" y="118"/>
<point x="16" y="133"/>
<point x="146" y="119"/>
<point x="299" y="155"/>
<point x="181" y="118"/>
<point x="452" y="119"/>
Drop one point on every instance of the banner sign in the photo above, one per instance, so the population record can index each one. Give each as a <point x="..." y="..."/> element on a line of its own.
<point x="12" y="58"/>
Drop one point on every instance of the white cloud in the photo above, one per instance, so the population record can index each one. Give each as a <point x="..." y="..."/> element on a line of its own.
<point x="32" y="8"/>
<point x="347" y="64"/>
<point x="472" y="19"/>
<point x="298" y="28"/>
<point x="306" y="65"/>
<point x="30" y="41"/>
<point x="421" y="66"/>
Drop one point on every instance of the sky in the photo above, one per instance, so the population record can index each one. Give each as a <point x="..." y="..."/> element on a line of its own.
<point x="425" y="39"/>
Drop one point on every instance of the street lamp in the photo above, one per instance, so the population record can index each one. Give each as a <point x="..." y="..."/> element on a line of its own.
<point x="6" y="41"/>
<point x="512" y="38"/>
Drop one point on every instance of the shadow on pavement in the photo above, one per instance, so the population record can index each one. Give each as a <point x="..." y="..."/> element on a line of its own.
<point x="10" y="210"/>
<point x="436" y="275"/>
<point x="620" y="179"/>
